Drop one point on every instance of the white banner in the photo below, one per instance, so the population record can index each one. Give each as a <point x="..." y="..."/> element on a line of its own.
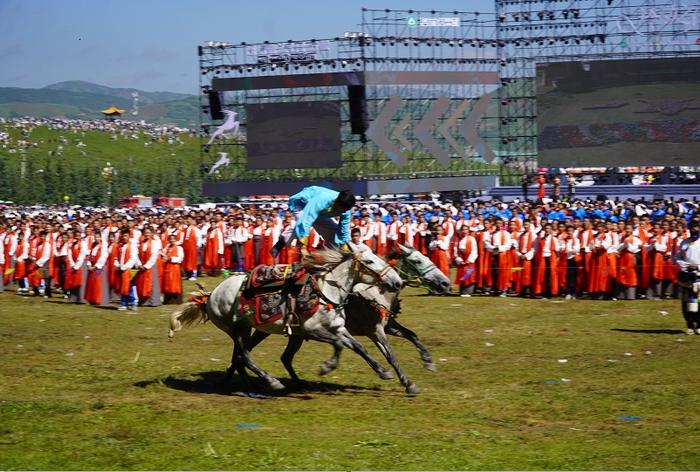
<point x="452" y="21"/>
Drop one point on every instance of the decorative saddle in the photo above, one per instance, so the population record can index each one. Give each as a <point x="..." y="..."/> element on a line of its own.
<point x="276" y="291"/>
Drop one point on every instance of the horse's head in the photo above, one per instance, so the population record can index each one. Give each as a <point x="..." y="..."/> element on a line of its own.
<point x="373" y="269"/>
<point x="418" y="268"/>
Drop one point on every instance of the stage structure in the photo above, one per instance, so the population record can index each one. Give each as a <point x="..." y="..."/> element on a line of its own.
<point x="536" y="33"/>
<point x="413" y="101"/>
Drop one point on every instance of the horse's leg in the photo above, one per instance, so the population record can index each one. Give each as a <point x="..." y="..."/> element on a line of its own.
<point x="293" y="345"/>
<point x="242" y="338"/>
<point x="332" y="363"/>
<point x="236" y="364"/>
<point x="394" y="328"/>
<point x="346" y="340"/>
<point x="380" y="340"/>
<point x="256" y="338"/>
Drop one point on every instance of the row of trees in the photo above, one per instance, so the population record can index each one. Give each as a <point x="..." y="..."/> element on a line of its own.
<point x="54" y="180"/>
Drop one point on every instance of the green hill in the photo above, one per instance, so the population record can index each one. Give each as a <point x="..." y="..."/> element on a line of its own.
<point x="126" y="93"/>
<point x="38" y="174"/>
<point x="84" y="100"/>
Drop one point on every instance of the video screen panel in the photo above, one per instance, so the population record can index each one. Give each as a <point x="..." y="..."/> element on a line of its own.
<point x="619" y="113"/>
<point x="293" y="135"/>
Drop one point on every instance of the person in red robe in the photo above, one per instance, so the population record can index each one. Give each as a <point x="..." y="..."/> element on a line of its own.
<point x="76" y="273"/>
<point x="601" y="277"/>
<point x="248" y="248"/>
<point x="97" y="284"/>
<point x="128" y="260"/>
<point x="148" y="278"/>
<point x="439" y="254"/>
<point x="546" y="283"/>
<point x="190" y="249"/>
<point x="642" y="232"/>
<point x="214" y="250"/>
<point x="659" y="245"/>
<point x="627" y="277"/>
<point x="267" y="240"/>
<point x="380" y="242"/>
<point x="498" y="246"/>
<point x="465" y="256"/>
<point x="173" y="256"/>
<point x="483" y="276"/>
<point x="525" y="253"/>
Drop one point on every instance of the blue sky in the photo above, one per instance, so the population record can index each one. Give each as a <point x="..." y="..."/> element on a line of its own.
<point x="151" y="44"/>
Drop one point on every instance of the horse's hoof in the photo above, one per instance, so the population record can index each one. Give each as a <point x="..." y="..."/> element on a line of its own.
<point x="413" y="389"/>
<point x="324" y="369"/>
<point x="229" y="374"/>
<point x="386" y="375"/>
<point x="276" y="385"/>
<point x="430" y="366"/>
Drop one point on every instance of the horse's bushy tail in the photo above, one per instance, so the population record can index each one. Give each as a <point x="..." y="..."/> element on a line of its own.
<point x="190" y="313"/>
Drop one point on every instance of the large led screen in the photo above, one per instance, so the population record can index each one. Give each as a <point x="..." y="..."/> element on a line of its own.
<point x="619" y="113"/>
<point x="293" y="135"/>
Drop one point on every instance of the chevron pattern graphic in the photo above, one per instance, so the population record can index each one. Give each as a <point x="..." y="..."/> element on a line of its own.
<point x="432" y="124"/>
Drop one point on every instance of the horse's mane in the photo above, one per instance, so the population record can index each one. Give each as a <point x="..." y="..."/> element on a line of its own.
<point x="324" y="259"/>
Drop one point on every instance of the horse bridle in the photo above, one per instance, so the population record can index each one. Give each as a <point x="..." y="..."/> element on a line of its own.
<point x="416" y="281"/>
<point x="362" y="268"/>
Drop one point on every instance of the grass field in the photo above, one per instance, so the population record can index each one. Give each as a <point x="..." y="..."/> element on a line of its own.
<point x="87" y="388"/>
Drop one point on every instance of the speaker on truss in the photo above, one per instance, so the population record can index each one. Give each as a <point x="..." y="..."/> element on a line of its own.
<point x="358" y="109"/>
<point x="215" y="105"/>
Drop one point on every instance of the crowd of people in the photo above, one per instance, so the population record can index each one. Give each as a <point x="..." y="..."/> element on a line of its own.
<point x="117" y="129"/>
<point x="598" y="249"/>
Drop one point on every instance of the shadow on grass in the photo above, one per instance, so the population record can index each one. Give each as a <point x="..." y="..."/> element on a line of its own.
<point x="649" y="331"/>
<point x="217" y="383"/>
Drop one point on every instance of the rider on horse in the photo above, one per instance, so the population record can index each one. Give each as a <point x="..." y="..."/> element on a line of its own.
<point x="315" y="207"/>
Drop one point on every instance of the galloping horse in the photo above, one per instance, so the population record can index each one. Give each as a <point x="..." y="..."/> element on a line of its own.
<point x="335" y="273"/>
<point x="372" y="313"/>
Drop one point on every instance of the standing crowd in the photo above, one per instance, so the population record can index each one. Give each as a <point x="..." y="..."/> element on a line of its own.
<point x="600" y="249"/>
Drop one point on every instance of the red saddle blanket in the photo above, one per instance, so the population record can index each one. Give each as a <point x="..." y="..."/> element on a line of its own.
<point x="269" y="306"/>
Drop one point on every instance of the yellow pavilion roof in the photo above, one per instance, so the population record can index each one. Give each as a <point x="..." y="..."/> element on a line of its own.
<point x="112" y="110"/>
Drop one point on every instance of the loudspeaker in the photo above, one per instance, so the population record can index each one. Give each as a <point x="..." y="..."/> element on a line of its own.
<point x="215" y="105"/>
<point x="358" y="109"/>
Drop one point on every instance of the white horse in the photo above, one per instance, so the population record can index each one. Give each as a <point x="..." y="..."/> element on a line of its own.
<point x="229" y="125"/>
<point x="335" y="272"/>
<point x="372" y="313"/>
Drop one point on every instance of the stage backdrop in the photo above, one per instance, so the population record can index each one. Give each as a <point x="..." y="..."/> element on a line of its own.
<point x="293" y="135"/>
<point x="619" y="113"/>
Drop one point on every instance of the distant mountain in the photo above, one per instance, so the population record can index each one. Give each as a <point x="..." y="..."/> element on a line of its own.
<point x="89" y="87"/>
<point x="84" y="100"/>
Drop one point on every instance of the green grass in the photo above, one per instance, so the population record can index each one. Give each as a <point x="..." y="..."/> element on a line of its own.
<point x="84" y="388"/>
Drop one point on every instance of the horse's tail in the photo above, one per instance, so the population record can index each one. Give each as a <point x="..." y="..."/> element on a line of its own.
<point x="193" y="312"/>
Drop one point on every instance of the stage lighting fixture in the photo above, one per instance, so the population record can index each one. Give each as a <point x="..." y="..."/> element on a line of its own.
<point x="602" y="38"/>
<point x="250" y="69"/>
<point x="504" y="140"/>
<point x="540" y="15"/>
<point x="610" y="2"/>
<point x="576" y="12"/>
<point x="565" y="14"/>
<point x="501" y="18"/>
